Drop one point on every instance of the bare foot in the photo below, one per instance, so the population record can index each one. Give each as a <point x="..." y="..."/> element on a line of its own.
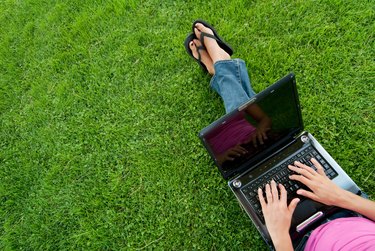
<point x="196" y="48"/>
<point x="214" y="50"/>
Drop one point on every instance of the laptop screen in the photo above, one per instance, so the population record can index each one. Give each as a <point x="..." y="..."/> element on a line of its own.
<point x="256" y="129"/>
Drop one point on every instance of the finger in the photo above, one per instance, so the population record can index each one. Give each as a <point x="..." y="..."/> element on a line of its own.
<point x="308" y="194"/>
<point x="301" y="171"/>
<point x="235" y="152"/>
<point x="293" y="204"/>
<point x="301" y="179"/>
<point x="318" y="166"/>
<point x="261" y="199"/>
<point x="254" y="140"/>
<point x="283" y="194"/>
<point x="227" y="156"/>
<point x="268" y="194"/>
<point x="305" y="167"/>
<point x="260" y="138"/>
<point x="240" y="148"/>
<point x="275" y="192"/>
<point x="264" y="135"/>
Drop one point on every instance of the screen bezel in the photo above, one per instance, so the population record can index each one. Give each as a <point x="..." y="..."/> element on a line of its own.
<point x="252" y="163"/>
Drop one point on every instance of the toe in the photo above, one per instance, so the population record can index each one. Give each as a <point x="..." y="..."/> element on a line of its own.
<point x="199" y="26"/>
<point x="192" y="45"/>
<point x="193" y="48"/>
<point x="197" y="42"/>
<point x="197" y="32"/>
<point x="200" y="54"/>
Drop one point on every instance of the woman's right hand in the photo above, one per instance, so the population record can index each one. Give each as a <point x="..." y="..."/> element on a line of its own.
<point x="322" y="188"/>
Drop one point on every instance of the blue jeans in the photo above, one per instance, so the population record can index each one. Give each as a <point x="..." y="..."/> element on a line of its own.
<point x="231" y="81"/>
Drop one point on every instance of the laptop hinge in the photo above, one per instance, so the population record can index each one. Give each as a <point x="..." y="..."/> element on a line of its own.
<point x="299" y="134"/>
<point x="304" y="139"/>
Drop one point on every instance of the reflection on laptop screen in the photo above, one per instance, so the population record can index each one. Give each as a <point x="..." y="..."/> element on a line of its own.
<point x="257" y="128"/>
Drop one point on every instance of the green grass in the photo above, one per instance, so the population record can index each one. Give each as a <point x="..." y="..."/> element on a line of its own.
<point x="100" y="109"/>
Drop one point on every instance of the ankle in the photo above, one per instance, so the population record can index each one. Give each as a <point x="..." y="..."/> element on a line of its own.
<point x="220" y="56"/>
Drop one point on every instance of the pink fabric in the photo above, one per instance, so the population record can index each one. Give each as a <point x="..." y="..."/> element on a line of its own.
<point x="353" y="233"/>
<point x="236" y="131"/>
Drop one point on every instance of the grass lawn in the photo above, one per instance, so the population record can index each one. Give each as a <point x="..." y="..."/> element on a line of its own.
<point x="100" y="108"/>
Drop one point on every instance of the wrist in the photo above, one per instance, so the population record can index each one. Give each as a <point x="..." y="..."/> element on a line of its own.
<point x="346" y="200"/>
<point x="282" y="242"/>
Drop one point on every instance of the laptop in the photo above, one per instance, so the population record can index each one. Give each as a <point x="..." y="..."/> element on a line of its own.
<point x="255" y="143"/>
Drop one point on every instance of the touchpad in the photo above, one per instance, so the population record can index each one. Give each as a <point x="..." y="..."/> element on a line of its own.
<point x="304" y="210"/>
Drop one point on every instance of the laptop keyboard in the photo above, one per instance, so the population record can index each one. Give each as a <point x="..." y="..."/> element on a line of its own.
<point x="280" y="174"/>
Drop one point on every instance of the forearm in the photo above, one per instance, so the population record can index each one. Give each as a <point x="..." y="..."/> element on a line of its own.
<point x="358" y="204"/>
<point x="283" y="243"/>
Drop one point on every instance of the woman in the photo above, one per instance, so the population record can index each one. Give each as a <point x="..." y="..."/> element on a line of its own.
<point x="231" y="81"/>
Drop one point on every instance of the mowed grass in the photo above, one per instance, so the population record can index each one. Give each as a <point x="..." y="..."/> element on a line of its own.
<point x="100" y="107"/>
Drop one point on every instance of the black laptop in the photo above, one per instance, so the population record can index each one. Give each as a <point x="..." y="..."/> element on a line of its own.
<point x="256" y="142"/>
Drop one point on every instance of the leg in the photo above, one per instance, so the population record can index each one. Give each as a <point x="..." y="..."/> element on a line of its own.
<point x="201" y="54"/>
<point x="230" y="80"/>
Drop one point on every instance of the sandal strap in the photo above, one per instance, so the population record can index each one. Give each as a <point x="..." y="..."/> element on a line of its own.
<point x="199" y="48"/>
<point x="205" y="34"/>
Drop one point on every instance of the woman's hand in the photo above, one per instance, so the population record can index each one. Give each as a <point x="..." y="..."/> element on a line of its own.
<point x="277" y="214"/>
<point x="322" y="188"/>
<point x="260" y="135"/>
<point x="231" y="154"/>
<point x="327" y="192"/>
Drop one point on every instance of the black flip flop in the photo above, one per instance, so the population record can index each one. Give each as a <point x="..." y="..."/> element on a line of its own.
<point x="225" y="46"/>
<point x="188" y="39"/>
